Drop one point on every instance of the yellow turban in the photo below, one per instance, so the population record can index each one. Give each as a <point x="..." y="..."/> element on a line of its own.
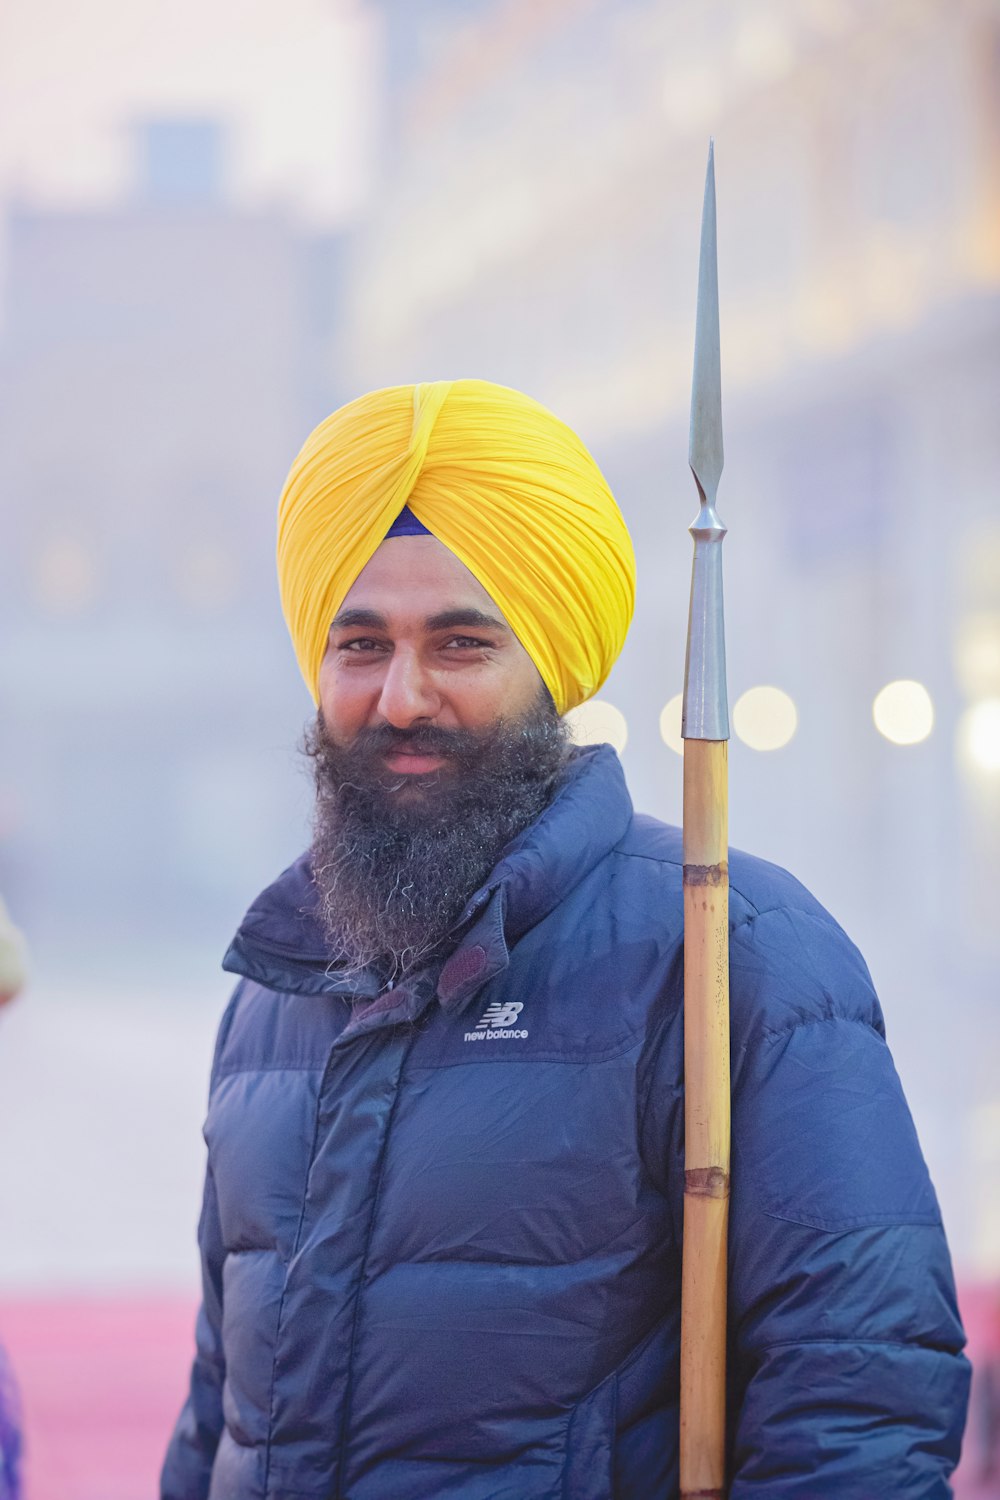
<point x="506" y="486"/>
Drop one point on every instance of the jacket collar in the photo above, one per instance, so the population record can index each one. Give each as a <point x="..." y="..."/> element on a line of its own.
<point x="280" y="943"/>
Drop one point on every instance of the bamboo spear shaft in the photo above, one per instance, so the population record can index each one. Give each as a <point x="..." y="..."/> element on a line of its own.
<point x="705" y="728"/>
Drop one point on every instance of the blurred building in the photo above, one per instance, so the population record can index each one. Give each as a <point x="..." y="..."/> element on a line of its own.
<point x="161" y="363"/>
<point x="538" y="225"/>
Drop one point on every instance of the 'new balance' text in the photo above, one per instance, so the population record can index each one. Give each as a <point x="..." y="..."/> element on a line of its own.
<point x="497" y="1023"/>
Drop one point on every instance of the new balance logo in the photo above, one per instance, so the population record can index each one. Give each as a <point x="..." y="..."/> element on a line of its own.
<point x="499" y="1014"/>
<point x="498" y="1023"/>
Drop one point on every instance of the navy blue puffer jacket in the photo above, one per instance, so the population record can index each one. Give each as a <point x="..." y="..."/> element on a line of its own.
<point x="441" y="1226"/>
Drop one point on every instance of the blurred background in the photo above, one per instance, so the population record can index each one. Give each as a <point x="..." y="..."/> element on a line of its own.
<point x="219" y="221"/>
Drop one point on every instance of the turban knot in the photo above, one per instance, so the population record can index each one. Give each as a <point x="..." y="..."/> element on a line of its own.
<point x="495" y="477"/>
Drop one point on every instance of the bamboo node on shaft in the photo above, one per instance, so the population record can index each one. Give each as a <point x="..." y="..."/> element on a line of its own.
<point x="706" y="1182"/>
<point x="706" y="874"/>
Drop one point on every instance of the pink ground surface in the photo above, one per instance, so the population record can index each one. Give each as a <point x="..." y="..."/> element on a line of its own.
<point x="103" y="1380"/>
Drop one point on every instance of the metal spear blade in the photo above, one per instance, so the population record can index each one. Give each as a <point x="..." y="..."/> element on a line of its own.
<point x="705" y="446"/>
<point x="705" y="712"/>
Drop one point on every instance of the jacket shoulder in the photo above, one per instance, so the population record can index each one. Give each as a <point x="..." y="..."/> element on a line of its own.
<point x="790" y="961"/>
<point x="756" y="884"/>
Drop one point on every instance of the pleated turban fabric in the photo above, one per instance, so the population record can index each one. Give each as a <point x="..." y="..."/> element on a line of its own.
<point x="495" y="477"/>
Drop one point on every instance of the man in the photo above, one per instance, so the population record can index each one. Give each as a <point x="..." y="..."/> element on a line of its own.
<point x="442" y="1216"/>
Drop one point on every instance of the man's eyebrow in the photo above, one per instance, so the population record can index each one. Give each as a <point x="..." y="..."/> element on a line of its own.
<point x="366" y="618"/>
<point x="446" y="619"/>
<point x="451" y="619"/>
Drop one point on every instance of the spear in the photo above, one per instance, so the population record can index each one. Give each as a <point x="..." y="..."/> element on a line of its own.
<point x="705" y="729"/>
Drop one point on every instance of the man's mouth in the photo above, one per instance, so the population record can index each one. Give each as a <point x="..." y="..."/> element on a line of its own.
<point x="413" y="762"/>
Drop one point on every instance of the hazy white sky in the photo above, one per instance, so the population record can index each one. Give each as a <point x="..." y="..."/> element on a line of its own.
<point x="295" y="78"/>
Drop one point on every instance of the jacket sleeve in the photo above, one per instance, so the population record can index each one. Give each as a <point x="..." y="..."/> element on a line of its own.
<point x="187" y="1468"/>
<point x="846" y="1372"/>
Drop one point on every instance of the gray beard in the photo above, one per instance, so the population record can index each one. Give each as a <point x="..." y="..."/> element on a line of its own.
<point x="396" y="859"/>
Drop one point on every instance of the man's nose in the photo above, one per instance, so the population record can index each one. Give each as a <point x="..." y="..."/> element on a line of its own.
<point x="408" y="692"/>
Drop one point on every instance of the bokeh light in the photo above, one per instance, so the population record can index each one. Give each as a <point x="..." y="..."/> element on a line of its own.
<point x="765" y="718"/>
<point x="65" y="577"/>
<point x="598" y="723"/>
<point x="979" y="736"/>
<point x="670" y="724"/>
<point x="977" y="654"/>
<point x="903" y="712"/>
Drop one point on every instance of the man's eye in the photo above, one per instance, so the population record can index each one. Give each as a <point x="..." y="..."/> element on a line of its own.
<point x="467" y="643"/>
<point x="359" y="644"/>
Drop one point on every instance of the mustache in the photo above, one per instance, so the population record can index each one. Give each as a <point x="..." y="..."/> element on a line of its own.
<point x="422" y="739"/>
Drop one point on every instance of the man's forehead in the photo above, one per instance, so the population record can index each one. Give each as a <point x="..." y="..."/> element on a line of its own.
<point x="416" y="578"/>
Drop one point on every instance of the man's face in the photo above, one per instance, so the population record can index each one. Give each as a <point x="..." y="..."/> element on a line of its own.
<point x="418" y="645"/>
<point x="436" y="745"/>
